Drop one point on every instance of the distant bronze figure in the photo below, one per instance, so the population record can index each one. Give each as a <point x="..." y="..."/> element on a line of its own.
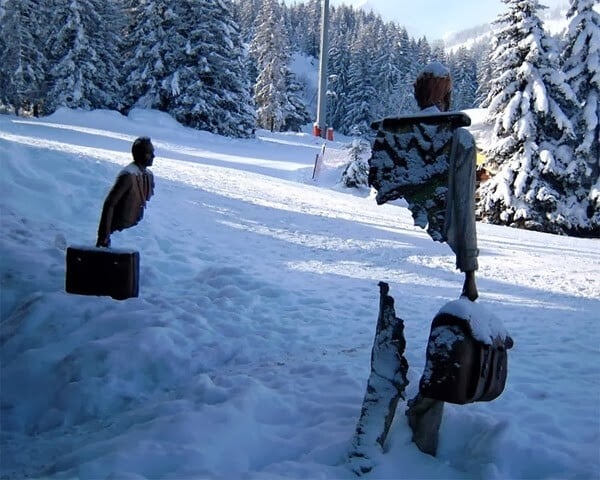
<point x="125" y="203"/>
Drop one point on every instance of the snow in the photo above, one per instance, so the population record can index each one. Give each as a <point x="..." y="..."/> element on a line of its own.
<point x="483" y="324"/>
<point x="436" y="69"/>
<point x="247" y="353"/>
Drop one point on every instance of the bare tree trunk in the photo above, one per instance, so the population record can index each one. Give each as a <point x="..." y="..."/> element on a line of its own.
<point x="385" y="386"/>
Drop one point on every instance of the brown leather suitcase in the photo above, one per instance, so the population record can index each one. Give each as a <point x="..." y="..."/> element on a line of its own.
<point x="102" y="271"/>
<point x="459" y="368"/>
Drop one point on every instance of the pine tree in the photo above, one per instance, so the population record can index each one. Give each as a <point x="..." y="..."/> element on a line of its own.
<point x="295" y="113"/>
<point x="482" y="53"/>
<point x="270" y="52"/>
<point x="245" y="13"/>
<point x="186" y="58"/>
<point x="438" y="53"/>
<point x="312" y="39"/>
<point x="341" y="33"/>
<point x="362" y="91"/>
<point x="22" y="57"/>
<point x="388" y="75"/>
<point x="83" y="53"/>
<point x="409" y="69"/>
<point x="536" y="182"/>
<point x="155" y="37"/>
<point x="221" y="100"/>
<point x="464" y="79"/>
<point x="423" y="50"/>
<point x="581" y="63"/>
<point x="356" y="172"/>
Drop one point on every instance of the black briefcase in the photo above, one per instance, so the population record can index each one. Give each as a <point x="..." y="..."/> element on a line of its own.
<point x="102" y="271"/>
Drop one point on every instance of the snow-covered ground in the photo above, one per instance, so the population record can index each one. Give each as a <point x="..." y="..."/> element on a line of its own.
<point x="247" y="352"/>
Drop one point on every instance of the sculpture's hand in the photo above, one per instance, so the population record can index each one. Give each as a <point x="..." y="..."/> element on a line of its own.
<point x="469" y="287"/>
<point x="103" y="242"/>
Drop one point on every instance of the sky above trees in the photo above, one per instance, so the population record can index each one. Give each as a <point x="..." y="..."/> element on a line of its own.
<point x="437" y="18"/>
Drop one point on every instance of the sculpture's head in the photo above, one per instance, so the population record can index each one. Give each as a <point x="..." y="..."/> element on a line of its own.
<point x="143" y="151"/>
<point x="433" y="86"/>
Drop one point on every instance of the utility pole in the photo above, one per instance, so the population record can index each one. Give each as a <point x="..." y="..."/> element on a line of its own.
<point x="320" y="127"/>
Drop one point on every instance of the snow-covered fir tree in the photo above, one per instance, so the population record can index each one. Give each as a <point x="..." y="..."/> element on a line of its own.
<point x="245" y="13"/>
<point x="224" y="90"/>
<point x="311" y="34"/>
<point x="537" y="179"/>
<point x="295" y="113"/>
<point x="408" y="71"/>
<point x="186" y="58"/>
<point x="83" y="41"/>
<point x="581" y="64"/>
<point x="464" y="79"/>
<point x="361" y="95"/>
<point x="356" y="172"/>
<point x="388" y="74"/>
<point x="269" y="49"/>
<point x="155" y="43"/>
<point x="423" y="53"/>
<point x="341" y="34"/>
<point x="22" y="56"/>
<point x="438" y="53"/>
<point x="481" y="52"/>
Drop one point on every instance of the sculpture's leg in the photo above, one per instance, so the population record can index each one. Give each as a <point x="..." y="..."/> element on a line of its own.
<point x="425" y="417"/>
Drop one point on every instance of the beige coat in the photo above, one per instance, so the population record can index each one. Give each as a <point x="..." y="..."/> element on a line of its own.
<point x="460" y="231"/>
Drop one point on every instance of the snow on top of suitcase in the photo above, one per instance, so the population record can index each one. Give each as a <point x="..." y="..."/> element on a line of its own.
<point x="485" y="326"/>
<point x="90" y="248"/>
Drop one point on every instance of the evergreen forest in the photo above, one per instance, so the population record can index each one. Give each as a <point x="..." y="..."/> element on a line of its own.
<point x="226" y="67"/>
